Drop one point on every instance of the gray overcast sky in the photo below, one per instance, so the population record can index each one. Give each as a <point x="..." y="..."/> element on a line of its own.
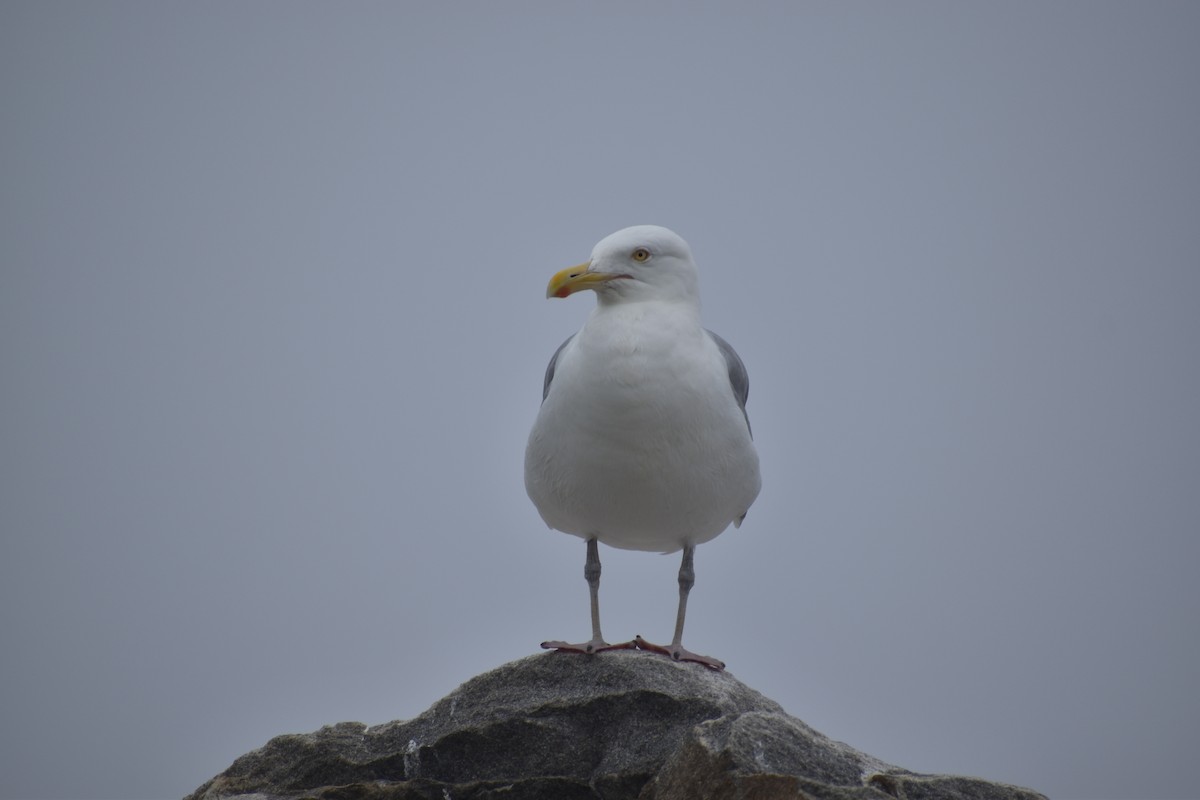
<point x="272" y="335"/>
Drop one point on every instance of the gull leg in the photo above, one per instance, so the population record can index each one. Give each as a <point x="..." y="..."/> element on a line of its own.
<point x="687" y="579"/>
<point x="591" y="571"/>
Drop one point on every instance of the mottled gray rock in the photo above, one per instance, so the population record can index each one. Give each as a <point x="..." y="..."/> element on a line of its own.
<point x="559" y="726"/>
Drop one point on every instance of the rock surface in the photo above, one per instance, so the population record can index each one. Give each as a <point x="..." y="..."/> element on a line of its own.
<point x="560" y="726"/>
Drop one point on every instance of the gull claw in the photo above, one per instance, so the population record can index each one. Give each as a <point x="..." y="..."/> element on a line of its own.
<point x="589" y="647"/>
<point x="679" y="653"/>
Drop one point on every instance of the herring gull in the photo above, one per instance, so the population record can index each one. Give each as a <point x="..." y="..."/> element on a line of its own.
<point x="642" y="441"/>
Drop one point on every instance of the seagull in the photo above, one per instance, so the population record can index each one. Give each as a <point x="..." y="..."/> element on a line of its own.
<point x="642" y="441"/>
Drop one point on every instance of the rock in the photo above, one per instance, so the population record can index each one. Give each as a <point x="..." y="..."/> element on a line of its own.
<point x="560" y="726"/>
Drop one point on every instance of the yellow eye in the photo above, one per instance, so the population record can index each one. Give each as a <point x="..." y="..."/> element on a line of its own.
<point x="641" y="254"/>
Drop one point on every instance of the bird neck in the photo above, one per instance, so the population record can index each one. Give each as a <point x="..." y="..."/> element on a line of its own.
<point x="632" y="312"/>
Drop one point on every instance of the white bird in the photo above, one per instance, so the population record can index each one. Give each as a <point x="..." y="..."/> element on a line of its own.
<point x="642" y="441"/>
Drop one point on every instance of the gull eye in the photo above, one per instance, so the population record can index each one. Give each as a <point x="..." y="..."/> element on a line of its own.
<point x="641" y="254"/>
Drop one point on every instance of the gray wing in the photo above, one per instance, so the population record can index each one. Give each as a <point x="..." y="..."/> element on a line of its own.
<point x="554" y="361"/>
<point x="739" y="379"/>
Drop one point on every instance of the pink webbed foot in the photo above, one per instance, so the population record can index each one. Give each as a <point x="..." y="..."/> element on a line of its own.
<point x="679" y="653"/>
<point x="593" y="646"/>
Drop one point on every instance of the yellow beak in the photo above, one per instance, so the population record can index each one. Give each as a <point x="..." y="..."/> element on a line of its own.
<point x="576" y="279"/>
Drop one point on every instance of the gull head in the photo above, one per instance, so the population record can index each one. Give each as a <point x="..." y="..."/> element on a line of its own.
<point x="644" y="262"/>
